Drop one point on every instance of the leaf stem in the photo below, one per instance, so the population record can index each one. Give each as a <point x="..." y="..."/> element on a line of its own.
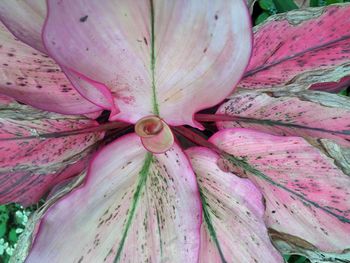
<point x="196" y="138"/>
<point x="222" y="117"/>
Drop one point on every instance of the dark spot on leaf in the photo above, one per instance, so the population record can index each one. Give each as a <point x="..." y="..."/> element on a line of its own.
<point x="83" y="18"/>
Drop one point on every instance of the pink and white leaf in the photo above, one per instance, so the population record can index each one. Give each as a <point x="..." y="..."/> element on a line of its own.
<point x="25" y="20"/>
<point x="33" y="78"/>
<point x="233" y="228"/>
<point x="133" y="207"/>
<point x="301" y="49"/>
<point x="307" y="196"/>
<point x="5" y="100"/>
<point x="323" y="115"/>
<point x="175" y="77"/>
<point x="30" y="167"/>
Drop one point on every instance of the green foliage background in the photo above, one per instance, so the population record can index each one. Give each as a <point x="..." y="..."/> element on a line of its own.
<point x="14" y="217"/>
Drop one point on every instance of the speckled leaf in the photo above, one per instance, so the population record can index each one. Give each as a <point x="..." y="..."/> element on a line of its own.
<point x="30" y="167"/>
<point x="307" y="196"/>
<point x="301" y="48"/>
<point x="321" y="112"/>
<point x="32" y="77"/>
<point x="25" y="19"/>
<point x="133" y="207"/>
<point x="233" y="209"/>
<point x="137" y="50"/>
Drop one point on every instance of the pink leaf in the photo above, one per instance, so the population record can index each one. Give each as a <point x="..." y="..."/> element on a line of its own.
<point x="133" y="207"/>
<point x="30" y="167"/>
<point x="321" y="112"/>
<point x="31" y="77"/>
<point x="5" y="100"/>
<point x="25" y="20"/>
<point x="300" y="49"/>
<point x="307" y="196"/>
<point x="153" y="56"/>
<point x="233" y="228"/>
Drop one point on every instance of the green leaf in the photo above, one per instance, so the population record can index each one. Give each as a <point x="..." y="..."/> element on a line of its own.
<point x="2" y="230"/>
<point x="13" y="237"/>
<point x="329" y="2"/>
<point x="285" y="5"/>
<point x="268" y="6"/>
<point x="315" y="3"/>
<point x="4" y="217"/>
<point x="261" y="18"/>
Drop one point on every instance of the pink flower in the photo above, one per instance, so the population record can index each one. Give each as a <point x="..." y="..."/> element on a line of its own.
<point x="148" y="196"/>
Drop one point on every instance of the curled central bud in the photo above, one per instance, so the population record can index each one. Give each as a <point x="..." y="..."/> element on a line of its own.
<point x="156" y="136"/>
<point x="149" y="126"/>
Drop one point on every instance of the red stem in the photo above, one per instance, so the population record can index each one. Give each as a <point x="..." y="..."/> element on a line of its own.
<point x="195" y="138"/>
<point x="215" y="117"/>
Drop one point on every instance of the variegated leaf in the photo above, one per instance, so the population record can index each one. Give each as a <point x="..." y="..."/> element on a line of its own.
<point x="153" y="57"/>
<point x="301" y="48"/>
<point x="29" y="167"/>
<point x="307" y="196"/>
<point x="33" y="78"/>
<point x="233" y="228"/>
<point x="133" y="207"/>
<point x="25" y="19"/>
<point x="310" y="114"/>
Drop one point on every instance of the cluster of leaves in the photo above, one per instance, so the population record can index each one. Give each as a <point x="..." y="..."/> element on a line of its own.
<point x="266" y="8"/>
<point x="13" y="219"/>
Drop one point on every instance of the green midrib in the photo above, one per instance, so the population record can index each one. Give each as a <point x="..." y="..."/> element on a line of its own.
<point x="153" y="63"/>
<point x="136" y="197"/>
<point x="211" y="229"/>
